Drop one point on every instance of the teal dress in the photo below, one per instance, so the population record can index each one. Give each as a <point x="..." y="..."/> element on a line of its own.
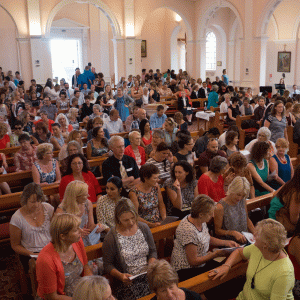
<point x="213" y="99"/>
<point x="275" y="205"/>
<point x="263" y="173"/>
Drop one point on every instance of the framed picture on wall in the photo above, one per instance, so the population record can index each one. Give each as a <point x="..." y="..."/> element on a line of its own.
<point x="284" y="62"/>
<point x="144" y="48"/>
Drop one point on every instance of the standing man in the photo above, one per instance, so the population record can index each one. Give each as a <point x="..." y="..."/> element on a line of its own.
<point x="75" y="78"/>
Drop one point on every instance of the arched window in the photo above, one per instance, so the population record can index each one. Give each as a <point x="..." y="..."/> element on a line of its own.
<point x="211" y="45"/>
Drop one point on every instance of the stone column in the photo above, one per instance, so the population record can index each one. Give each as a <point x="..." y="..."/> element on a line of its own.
<point x="119" y="58"/>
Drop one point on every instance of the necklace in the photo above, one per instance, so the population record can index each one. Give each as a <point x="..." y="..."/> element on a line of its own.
<point x="283" y="160"/>
<point x="253" y="278"/>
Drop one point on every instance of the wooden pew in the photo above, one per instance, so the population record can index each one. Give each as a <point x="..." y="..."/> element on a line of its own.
<point x="202" y="283"/>
<point x="219" y="121"/>
<point x="244" y="132"/>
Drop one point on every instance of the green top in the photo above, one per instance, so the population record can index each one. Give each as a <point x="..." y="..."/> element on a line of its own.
<point x="263" y="173"/>
<point x="275" y="282"/>
<point x="275" y="205"/>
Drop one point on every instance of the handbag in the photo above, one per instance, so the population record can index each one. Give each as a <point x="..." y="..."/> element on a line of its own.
<point x="283" y="216"/>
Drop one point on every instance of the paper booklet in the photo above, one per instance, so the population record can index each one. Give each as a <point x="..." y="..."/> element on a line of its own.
<point x="135" y="276"/>
<point x="94" y="237"/>
<point x="169" y="219"/>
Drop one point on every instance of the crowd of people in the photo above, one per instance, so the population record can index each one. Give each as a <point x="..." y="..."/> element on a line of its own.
<point x="152" y="169"/>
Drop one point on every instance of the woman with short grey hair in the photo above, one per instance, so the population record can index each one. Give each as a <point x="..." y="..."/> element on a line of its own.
<point x="158" y="136"/>
<point x="211" y="183"/>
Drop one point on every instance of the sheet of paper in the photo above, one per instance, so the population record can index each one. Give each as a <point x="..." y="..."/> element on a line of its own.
<point x="249" y="236"/>
<point x="94" y="237"/>
<point x="133" y="277"/>
<point x="111" y="101"/>
<point x="34" y="255"/>
<point x="219" y="259"/>
<point x="169" y="219"/>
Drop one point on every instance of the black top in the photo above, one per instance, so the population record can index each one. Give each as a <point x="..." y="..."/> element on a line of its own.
<point x="235" y="112"/>
<point x="111" y="166"/>
<point x="189" y="295"/>
<point x="183" y="126"/>
<point x="86" y="111"/>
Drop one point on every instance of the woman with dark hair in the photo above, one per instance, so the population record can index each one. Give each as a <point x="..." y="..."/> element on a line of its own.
<point x="147" y="197"/>
<point x="78" y="169"/>
<point x="233" y="111"/>
<point x="96" y="122"/>
<point x="49" y="90"/>
<point x="146" y="132"/>
<point x="62" y="102"/>
<point x="98" y="145"/>
<point x="293" y="250"/>
<point x="259" y="168"/>
<point x="285" y="207"/>
<point x="42" y="134"/>
<point x="181" y="189"/>
<point x="276" y="122"/>
<point x="185" y="144"/>
<point x="231" y="143"/>
<point x="106" y="204"/>
<point x="181" y="124"/>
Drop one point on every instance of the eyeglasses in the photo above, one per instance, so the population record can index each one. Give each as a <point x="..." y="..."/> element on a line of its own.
<point x="77" y="163"/>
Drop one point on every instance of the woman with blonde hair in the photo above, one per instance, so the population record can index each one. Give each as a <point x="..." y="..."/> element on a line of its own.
<point x="74" y="135"/>
<point x="231" y="215"/>
<point x="4" y="137"/>
<point x="72" y="117"/>
<point x="170" y="129"/>
<point x="93" y="288"/>
<point x="270" y="273"/>
<point x="76" y="202"/>
<point x="66" y="127"/>
<point x="62" y="263"/>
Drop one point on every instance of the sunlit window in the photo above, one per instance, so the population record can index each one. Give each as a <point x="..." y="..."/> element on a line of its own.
<point x="211" y="45"/>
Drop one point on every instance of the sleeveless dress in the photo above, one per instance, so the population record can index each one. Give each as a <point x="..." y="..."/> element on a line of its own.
<point x="284" y="171"/>
<point x="97" y="151"/>
<point x="60" y="140"/>
<point x="47" y="177"/>
<point x="263" y="173"/>
<point x="123" y="111"/>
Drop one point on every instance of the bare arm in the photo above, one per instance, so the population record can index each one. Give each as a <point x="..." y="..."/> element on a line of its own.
<point x="55" y="296"/>
<point x="230" y="114"/>
<point x="274" y="167"/>
<point x="175" y="197"/>
<point x="57" y="172"/>
<point x="294" y="209"/>
<point x="35" y="175"/>
<point x="15" y="241"/>
<point x="55" y="143"/>
<point x="161" y="204"/>
<point x="89" y="151"/>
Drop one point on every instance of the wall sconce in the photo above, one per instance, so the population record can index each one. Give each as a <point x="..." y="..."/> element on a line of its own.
<point x="129" y="29"/>
<point x="177" y="18"/>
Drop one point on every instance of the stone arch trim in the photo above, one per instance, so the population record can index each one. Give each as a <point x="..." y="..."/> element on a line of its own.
<point x="98" y="3"/>
<point x="265" y="16"/>
<point x="296" y="28"/>
<point x="18" y="34"/>
<point x="213" y="7"/>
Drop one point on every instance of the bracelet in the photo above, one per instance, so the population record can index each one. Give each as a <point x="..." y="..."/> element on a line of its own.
<point x="227" y="266"/>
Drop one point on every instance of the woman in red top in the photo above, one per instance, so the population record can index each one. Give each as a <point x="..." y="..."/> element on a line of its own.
<point x="135" y="150"/>
<point x="4" y="137"/>
<point x="62" y="263"/>
<point x="294" y="254"/>
<point x="146" y="133"/>
<point x="78" y="169"/>
<point x="211" y="183"/>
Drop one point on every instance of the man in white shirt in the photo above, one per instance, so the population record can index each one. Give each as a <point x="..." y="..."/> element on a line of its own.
<point x="69" y="92"/>
<point x="114" y="123"/>
<point x="225" y="104"/>
<point x="11" y="85"/>
<point x="295" y="91"/>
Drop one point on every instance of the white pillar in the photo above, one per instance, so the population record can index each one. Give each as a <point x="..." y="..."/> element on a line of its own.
<point x="190" y="60"/>
<point x="130" y="56"/>
<point x="263" y="59"/>
<point x="119" y="58"/>
<point x="34" y="18"/>
<point x="25" y="60"/>
<point x="104" y="42"/>
<point x="202" y="44"/>
<point x="231" y="60"/>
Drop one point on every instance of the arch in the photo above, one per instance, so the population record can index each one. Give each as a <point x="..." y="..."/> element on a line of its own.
<point x="222" y="34"/>
<point x="275" y="25"/>
<point x="233" y="31"/>
<point x="98" y="3"/>
<point x="174" y="52"/>
<point x="296" y="28"/>
<point x="265" y="16"/>
<point x="18" y="36"/>
<point x="214" y="6"/>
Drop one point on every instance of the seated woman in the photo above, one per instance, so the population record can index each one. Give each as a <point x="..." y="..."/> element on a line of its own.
<point x="62" y="262"/>
<point x="106" y="204"/>
<point x="170" y="129"/>
<point x="29" y="226"/>
<point x="160" y="158"/>
<point x="57" y="140"/>
<point x="181" y="124"/>
<point x="128" y="248"/>
<point x="62" y="103"/>
<point x="73" y="147"/>
<point x="185" y="107"/>
<point x="238" y="167"/>
<point x="26" y="122"/>
<point x="181" y="189"/>
<point x="263" y="135"/>
<point x="266" y="257"/>
<point x="135" y="150"/>
<point x="74" y="135"/>
<point x="76" y="202"/>
<point x="259" y="168"/>
<point x="185" y="144"/>
<point x="41" y="135"/>
<point x="157" y="138"/>
<point x="66" y="128"/>
<point x="231" y="143"/>
<point x="4" y="137"/>
<point x="163" y="281"/>
<point x="96" y="122"/>
<point x="211" y="183"/>
<point x="73" y="118"/>
<point x="93" y="287"/>
<point x="281" y="164"/>
<point x="190" y="256"/>
<point x="233" y="111"/>
<point x="98" y="145"/>
<point x="46" y="169"/>
<point x="231" y="215"/>
<point x="285" y="207"/>
<point x="146" y="133"/>
<point x="293" y="250"/>
<point x="97" y="113"/>
<point x="78" y="170"/>
<point x="147" y="197"/>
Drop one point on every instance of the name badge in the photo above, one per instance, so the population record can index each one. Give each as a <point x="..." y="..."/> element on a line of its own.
<point x="130" y="169"/>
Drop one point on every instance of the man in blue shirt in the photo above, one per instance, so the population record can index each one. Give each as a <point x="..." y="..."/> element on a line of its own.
<point x="158" y="119"/>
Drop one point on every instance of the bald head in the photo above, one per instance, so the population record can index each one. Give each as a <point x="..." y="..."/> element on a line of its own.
<point x="213" y="146"/>
<point x="141" y="114"/>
